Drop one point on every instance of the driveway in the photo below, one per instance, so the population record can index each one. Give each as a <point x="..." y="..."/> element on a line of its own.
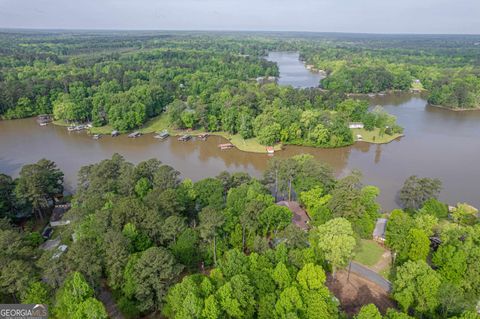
<point x="370" y="275"/>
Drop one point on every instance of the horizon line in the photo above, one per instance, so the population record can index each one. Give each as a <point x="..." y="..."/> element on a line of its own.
<point x="229" y="30"/>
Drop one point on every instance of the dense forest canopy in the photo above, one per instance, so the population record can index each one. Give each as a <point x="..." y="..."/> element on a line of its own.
<point x="222" y="248"/>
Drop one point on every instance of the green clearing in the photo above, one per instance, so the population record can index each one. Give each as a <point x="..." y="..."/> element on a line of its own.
<point x="107" y="129"/>
<point x="60" y="123"/>
<point x="374" y="136"/>
<point x="417" y="86"/>
<point x="369" y="253"/>
<point x="385" y="272"/>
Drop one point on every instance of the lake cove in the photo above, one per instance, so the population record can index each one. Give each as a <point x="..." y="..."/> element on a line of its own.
<point x="437" y="143"/>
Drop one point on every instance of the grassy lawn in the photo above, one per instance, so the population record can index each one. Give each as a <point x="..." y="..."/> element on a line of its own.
<point x="106" y="129"/>
<point x="385" y="272"/>
<point x="251" y="144"/>
<point x="417" y="86"/>
<point x="60" y="123"/>
<point x="374" y="136"/>
<point x="369" y="253"/>
<point x="156" y="124"/>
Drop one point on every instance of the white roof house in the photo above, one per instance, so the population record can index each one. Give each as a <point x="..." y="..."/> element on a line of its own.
<point x="355" y="125"/>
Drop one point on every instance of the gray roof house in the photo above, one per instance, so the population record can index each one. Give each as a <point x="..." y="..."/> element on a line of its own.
<point x="379" y="231"/>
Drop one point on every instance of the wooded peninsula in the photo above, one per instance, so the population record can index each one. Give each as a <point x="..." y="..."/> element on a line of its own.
<point x="213" y="82"/>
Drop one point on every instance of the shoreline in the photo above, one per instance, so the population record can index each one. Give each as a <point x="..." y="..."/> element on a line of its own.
<point x="249" y="146"/>
<point x="455" y="109"/>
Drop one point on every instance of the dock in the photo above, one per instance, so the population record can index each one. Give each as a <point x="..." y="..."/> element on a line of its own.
<point x="162" y="135"/>
<point x="203" y="136"/>
<point x="44" y="119"/>
<point x="184" y="138"/>
<point x="225" y="146"/>
<point x="134" y="135"/>
<point x="77" y="128"/>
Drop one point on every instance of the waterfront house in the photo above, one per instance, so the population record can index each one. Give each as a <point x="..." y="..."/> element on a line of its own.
<point x="300" y="216"/>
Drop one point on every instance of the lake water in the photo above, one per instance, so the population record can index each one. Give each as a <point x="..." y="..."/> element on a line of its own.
<point x="437" y="143"/>
<point x="293" y="72"/>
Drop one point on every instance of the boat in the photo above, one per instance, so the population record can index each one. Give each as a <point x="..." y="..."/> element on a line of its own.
<point x="270" y="149"/>
<point x="115" y="133"/>
<point x="184" y="138"/>
<point x="44" y="119"/>
<point x="225" y="146"/>
<point x="97" y="136"/>
<point x="162" y="135"/>
<point x="203" y="136"/>
<point x="134" y="135"/>
<point x="71" y="128"/>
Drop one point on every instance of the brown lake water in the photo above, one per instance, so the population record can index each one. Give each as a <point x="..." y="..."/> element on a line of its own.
<point x="437" y="143"/>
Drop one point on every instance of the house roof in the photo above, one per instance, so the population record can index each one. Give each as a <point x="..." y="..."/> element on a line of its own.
<point x="300" y="216"/>
<point x="380" y="228"/>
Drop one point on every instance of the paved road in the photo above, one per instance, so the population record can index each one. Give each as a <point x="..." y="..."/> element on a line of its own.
<point x="371" y="275"/>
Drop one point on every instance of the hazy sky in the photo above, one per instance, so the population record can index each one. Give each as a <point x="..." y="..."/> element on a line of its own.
<point x="373" y="16"/>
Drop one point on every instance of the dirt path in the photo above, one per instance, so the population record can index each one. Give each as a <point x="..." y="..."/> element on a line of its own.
<point x="371" y="275"/>
<point x="357" y="292"/>
<point x="108" y="301"/>
<point x="383" y="263"/>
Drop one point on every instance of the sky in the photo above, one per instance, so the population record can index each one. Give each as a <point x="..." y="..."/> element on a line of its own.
<point x="360" y="16"/>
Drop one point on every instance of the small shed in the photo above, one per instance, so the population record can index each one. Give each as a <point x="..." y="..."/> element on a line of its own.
<point x="380" y="229"/>
<point x="355" y="125"/>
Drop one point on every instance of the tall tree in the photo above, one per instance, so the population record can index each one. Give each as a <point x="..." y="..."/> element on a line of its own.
<point x="38" y="183"/>
<point x="7" y="199"/>
<point x="416" y="287"/>
<point x="416" y="191"/>
<point x="75" y="300"/>
<point x="151" y="275"/>
<point x="335" y="239"/>
<point x="369" y="311"/>
<point x="211" y="220"/>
